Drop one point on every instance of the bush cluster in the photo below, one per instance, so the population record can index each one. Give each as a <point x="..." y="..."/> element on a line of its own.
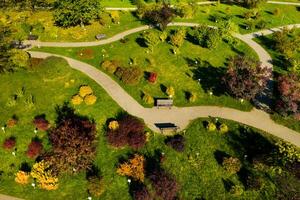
<point x="231" y="165"/>
<point x="85" y="94"/>
<point x="130" y="131"/>
<point x="110" y="65"/>
<point x="42" y="173"/>
<point x="35" y="148"/>
<point x="129" y="75"/>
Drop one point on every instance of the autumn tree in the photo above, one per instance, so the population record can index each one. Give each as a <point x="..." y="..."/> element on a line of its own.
<point x="289" y="94"/>
<point x="245" y="77"/>
<point x="73" y="143"/>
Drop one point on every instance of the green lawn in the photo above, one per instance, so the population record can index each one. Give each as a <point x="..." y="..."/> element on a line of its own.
<point x="173" y="70"/>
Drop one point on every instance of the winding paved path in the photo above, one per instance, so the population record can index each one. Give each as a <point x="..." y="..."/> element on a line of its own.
<point x="178" y="116"/>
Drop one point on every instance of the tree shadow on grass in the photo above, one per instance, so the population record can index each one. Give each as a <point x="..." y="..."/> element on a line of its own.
<point x="65" y="112"/>
<point x="220" y="155"/>
<point x="210" y="78"/>
<point x="249" y="143"/>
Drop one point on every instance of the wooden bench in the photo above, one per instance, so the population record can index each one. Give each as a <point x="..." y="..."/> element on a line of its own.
<point x="169" y="129"/>
<point x="164" y="103"/>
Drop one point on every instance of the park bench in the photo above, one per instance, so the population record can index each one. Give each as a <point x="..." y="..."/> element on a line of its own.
<point x="164" y="103"/>
<point x="168" y="128"/>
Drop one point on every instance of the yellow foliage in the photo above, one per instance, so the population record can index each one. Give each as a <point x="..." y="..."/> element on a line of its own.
<point x="90" y="99"/>
<point x="133" y="168"/>
<point x="85" y="90"/>
<point x="115" y="17"/>
<point x="76" y="99"/>
<point x="43" y="175"/>
<point x="113" y="125"/>
<point x="170" y="91"/>
<point x="22" y="177"/>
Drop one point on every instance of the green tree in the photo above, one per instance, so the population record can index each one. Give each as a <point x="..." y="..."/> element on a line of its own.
<point x="19" y="58"/>
<point x="71" y="13"/>
<point x="177" y="39"/>
<point x="151" y="39"/>
<point x="5" y="64"/>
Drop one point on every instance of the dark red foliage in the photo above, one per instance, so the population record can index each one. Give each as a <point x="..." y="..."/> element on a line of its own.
<point x="9" y="143"/>
<point x="152" y="77"/>
<point x="73" y="144"/>
<point x="136" y="140"/>
<point x="141" y="193"/>
<point x="130" y="131"/>
<point x="162" y="16"/>
<point x="34" y="149"/>
<point x="176" y="142"/>
<point x="245" y="77"/>
<point x="116" y="138"/>
<point x="41" y="123"/>
<point x="165" y="186"/>
<point x="289" y="94"/>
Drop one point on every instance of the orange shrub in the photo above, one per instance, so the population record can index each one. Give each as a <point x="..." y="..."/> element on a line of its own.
<point x="133" y="168"/>
<point x="22" y="177"/>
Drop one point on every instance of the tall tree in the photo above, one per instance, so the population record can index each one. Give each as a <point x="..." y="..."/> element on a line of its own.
<point x="245" y="77"/>
<point x="75" y="12"/>
<point x="5" y="64"/>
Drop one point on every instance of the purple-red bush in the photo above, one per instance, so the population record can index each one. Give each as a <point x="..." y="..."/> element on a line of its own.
<point x="165" y="186"/>
<point x="35" y="148"/>
<point x="136" y="140"/>
<point x="176" y="142"/>
<point x="141" y="193"/>
<point x="9" y="143"/>
<point x="41" y="123"/>
<point x="130" y="131"/>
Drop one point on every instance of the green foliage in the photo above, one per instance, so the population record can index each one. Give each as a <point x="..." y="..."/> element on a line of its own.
<point x="148" y="99"/>
<point x="223" y="128"/>
<point x="115" y="17"/>
<point x="151" y="39"/>
<point x="71" y="13"/>
<point x="19" y="58"/>
<point x="207" y="37"/>
<point x="186" y="11"/>
<point x="232" y="165"/>
<point x="110" y="66"/>
<point x="163" y="36"/>
<point x="211" y="127"/>
<point x="178" y="37"/>
<point x="237" y="190"/>
<point x="29" y="101"/>
<point x="95" y="186"/>
<point x="170" y="91"/>
<point x="287" y="153"/>
<point x="11" y="102"/>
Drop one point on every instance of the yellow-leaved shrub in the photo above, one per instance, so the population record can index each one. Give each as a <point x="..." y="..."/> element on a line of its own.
<point x="133" y="168"/>
<point x="85" y="90"/>
<point x="90" y="99"/>
<point x="42" y="173"/>
<point x="113" y="125"/>
<point x="76" y="99"/>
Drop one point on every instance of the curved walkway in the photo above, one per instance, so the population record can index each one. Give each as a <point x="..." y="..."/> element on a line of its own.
<point x="178" y="116"/>
<point x="284" y="3"/>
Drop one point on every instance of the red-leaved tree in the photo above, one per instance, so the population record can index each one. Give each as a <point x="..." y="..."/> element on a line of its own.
<point x="9" y="143"/>
<point x="41" y="123"/>
<point x="35" y="148"/>
<point x="152" y="77"/>
<point x="289" y="94"/>
<point x="245" y="77"/>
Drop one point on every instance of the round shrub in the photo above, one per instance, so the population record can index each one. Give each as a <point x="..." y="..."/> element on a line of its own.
<point x="148" y="99"/>
<point x="129" y="75"/>
<point x="11" y="122"/>
<point x="95" y="186"/>
<point x="109" y="66"/>
<point x="22" y="178"/>
<point x="76" y="99"/>
<point x="170" y="91"/>
<point x="176" y="142"/>
<point x="152" y="77"/>
<point x="113" y="125"/>
<point x="34" y="149"/>
<point x="192" y="97"/>
<point x="41" y="123"/>
<point x="232" y="165"/>
<point x="223" y="128"/>
<point x="236" y="190"/>
<point x="85" y="90"/>
<point x="90" y="99"/>
<point x="9" y="143"/>
<point x="211" y="127"/>
<point x="136" y="140"/>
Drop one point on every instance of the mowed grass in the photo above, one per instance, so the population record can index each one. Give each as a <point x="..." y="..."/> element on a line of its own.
<point x="179" y="71"/>
<point x="47" y="84"/>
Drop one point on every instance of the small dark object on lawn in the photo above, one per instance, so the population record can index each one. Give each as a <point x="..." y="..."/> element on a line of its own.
<point x="33" y="37"/>
<point x="100" y="36"/>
